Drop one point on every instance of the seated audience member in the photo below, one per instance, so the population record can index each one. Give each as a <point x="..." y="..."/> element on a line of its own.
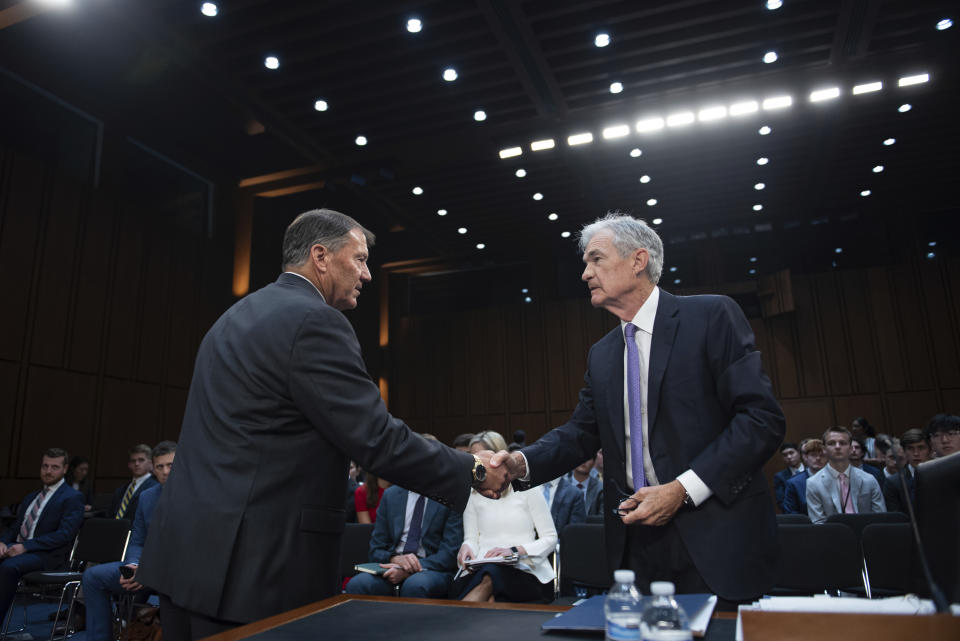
<point x="518" y="523"/>
<point x="48" y="520"/>
<point x="794" y="465"/>
<point x="100" y="581"/>
<point x="78" y="476"/>
<point x="814" y="458"/>
<point x="417" y="540"/>
<point x="597" y="470"/>
<point x="462" y="442"/>
<point x="367" y="497"/>
<point x="861" y="427"/>
<point x="857" y="449"/>
<point x="943" y="432"/>
<point x="520" y="438"/>
<point x="565" y="503"/>
<point x="917" y="451"/>
<point x="125" y="498"/>
<point x="841" y="488"/>
<point x="589" y="486"/>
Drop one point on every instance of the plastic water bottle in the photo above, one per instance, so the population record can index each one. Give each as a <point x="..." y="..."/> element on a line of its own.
<point x="663" y="619"/>
<point x="623" y="608"/>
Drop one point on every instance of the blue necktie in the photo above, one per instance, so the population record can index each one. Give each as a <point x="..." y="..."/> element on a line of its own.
<point x="633" y="399"/>
<point x="413" y="536"/>
<point x="546" y="493"/>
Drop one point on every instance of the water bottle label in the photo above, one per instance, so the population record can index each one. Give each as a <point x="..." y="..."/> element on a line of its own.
<point x="628" y="631"/>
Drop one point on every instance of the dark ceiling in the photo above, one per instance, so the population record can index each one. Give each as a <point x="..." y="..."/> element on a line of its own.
<point x="534" y="69"/>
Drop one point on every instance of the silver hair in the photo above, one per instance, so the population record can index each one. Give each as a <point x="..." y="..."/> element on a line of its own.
<point x="318" y="227"/>
<point x="629" y="234"/>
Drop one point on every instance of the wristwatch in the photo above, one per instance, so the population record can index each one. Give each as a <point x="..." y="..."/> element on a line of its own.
<point x="479" y="472"/>
<point x="688" y="500"/>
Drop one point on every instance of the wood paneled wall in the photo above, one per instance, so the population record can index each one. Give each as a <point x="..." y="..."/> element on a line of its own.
<point x="104" y="304"/>
<point x="882" y="343"/>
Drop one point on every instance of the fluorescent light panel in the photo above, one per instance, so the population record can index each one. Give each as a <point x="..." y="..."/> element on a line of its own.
<point x="580" y="139"/>
<point x="540" y="145"/>
<point x="918" y="79"/>
<point x="824" y="94"/>
<point x="510" y="152"/>
<point x="680" y="119"/>
<point x="649" y="124"/>
<point x="744" y="108"/>
<point x="868" y="87"/>
<point x="616" y="131"/>
<point x="712" y="113"/>
<point x="777" y="102"/>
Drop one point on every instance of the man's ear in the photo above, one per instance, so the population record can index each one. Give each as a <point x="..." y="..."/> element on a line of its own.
<point x="319" y="256"/>
<point x="641" y="257"/>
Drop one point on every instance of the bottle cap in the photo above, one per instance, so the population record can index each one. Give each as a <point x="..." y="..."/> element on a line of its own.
<point x="662" y="588"/>
<point x="624" y="576"/>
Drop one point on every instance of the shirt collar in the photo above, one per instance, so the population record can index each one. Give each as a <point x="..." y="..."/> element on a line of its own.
<point x="647" y="314"/>
<point x="309" y="281"/>
<point x="836" y="473"/>
<point x="53" y="488"/>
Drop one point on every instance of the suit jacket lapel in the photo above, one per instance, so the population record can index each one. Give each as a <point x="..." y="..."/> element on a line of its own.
<point x="664" y="331"/>
<point x="832" y="488"/>
<point x="400" y="514"/>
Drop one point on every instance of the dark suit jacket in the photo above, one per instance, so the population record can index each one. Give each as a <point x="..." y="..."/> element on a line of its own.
<point x="593" y="497"/>
<point x="893" y="492"/>
<point x="795" y="494"/>
<point x="711" y="409"/>
<point x="249" y="521"/>
<point x="440" y="535"/>
<point x="780" y="484"/>
<point x="56" y="528"/>
<point x="567" y="506"/>
<point x="875" y="472"/>
<point x="131" y="512"/>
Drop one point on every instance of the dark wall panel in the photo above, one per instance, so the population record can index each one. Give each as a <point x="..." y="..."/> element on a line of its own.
<point x="130" y="415"/>
<point x="8" y="403"/>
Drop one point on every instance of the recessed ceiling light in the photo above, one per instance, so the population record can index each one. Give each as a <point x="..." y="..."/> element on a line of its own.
<point x="644" y="179"/>
<point x="676" y="281"/>
<point x="673" y="268"/>
<point x="321" y="105"/>
<point x="868" y="87"/>
<point x="825" y="94"/>
<point x="744" y="108"/>
<point x="759" y="186"/>
<point x="649" y="124"/>
<point x="931" y="255"/>
<point x="764" y="130"/>
<point x="918" y="79"/>
<point x="753" y="259"/>
<point x="580" y="139"/>
<point x="616" y="87"/>
<point x="271" y="62"/>
<point x="481" y="246"/>
<point x="658" y="221"/>
<point x="773" y="5"/>
<point x="712" y="113"/>
<point x="651" y="202"/>
<point x="777" y="102"/>
<point x="520" y="173"/>
<point x="838" y="250"/>
<point x="414" y="25"/>
<point x="510" y="152"/>
<point x="538" y="196"/>
<point x="770" y="56"/>
<point x="210" y="9"/>
<point x="479" y="115"/>
<point x="635" y="152"/>
<point x="944" y="24"/>
<point x="932" y="243"/>
<point x="565" y="234"/>
<point x="865" y="193"/>
<point x="889" y="141"/>
<point x="758" y="207"/>
<point x="441" y="212"/>
<point x="552" y="216"/>
<point x="905" y="107"/>
<point x="462" y="230"/>
<point x="762" y="161"/>
<point x="417" y="191"/>
<point x="616" y="131"/>
<point x="878" y="169"/>
<point x="680" y="119"/>
<point x="540" y="145"/>
<point x="450" y="74"/>
<point x="602" y="39"/>
<point x="524" y="291"/>
<point x="528" y="300"/>
<point x="361" y="141"/>
<point x="752" y="271"/>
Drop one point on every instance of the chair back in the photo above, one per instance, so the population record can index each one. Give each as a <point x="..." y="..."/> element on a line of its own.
<point x="891" y="559"/>
<point x="816" y="558"/>
<point x="101" y="541"/>
<point x="583" y="559"/>
<point x="354" y="546"/>
<point x="859" y="521"/>
<point x="793" y="519"/>
<point x="938" y="519"/>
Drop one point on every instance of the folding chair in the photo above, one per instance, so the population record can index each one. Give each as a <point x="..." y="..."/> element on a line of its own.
<point x="583" y="561"/>
<point x="816" y="559"/>
<point x="889" y="552"/>
<point x="793" y="519"/>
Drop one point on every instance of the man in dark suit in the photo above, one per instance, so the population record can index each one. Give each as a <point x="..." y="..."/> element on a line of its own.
<point x="565" y="502"/>
<point x="858" y="449"/>
<point x="677" y="398"/>
<point x="794" y="465"/>
<point x="48" y="520"/>
<point x="421" y="557"/>
<point x="795" y="493"/>
<point x="249" y="523"/>
<point x="582" y="478"/>
<point x="125" y="498"/>
<point x="917" y="450"/>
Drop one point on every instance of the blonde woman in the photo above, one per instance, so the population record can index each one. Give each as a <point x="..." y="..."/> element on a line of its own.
<point x="517" y="523"/>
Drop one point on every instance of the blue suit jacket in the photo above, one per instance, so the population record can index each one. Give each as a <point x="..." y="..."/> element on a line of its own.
<point x="710" y="409"/>
<point x="780" y="484"/>
<point x="56" y="528"/>
<point x="440" y="535"/>
<point x="568" y="505"/>
<point x="795" y="494"/>
<point x="141" y="523"/>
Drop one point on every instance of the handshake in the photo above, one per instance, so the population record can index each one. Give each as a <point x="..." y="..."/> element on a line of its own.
<point x="499" y="469"/>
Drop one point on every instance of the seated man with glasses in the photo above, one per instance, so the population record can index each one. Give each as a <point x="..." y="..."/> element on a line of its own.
<point x="943" y="431"/>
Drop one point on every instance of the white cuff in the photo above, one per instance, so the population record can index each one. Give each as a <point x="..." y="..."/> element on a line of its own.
<point x="526" y="466"/>
<point x="695" y="487"/>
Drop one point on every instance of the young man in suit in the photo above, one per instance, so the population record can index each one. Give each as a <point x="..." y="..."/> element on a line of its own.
<point x="917" y="450"/>
<point x="102" y="580"/>
<point x="794" y="465"/>
<point x="125" y="498"/>
<point x="565" y="502"/>
<point x="841" y="488"/>
<point x="589" y="486"/>
<point x="795" y="494"/>
<point x="47" y="522"/>
<point x="858" y="449"/>
<point x="677" y="397"/>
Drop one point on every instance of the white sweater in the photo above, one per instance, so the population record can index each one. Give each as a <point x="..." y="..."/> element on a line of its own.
<point x="515" y="519"/>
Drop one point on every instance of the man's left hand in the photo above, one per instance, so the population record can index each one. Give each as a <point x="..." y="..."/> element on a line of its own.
<point x="498" y="476"/>
<point x="657" y="504"/>
<point x="394" y="574"/>
<point x="15" y="550"/>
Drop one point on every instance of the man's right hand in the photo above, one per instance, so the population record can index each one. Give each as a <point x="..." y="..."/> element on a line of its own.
<point x="409" y="563"/>
<point x="513" y="462"/>
<point x="3" y="549"/>
<point x="498" y="475"/>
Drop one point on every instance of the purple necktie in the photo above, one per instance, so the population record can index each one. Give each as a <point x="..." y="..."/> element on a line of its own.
<point x="633" y="399"/>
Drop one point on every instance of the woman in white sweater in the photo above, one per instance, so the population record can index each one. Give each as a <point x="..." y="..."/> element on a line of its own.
<point x="517" y="523"/>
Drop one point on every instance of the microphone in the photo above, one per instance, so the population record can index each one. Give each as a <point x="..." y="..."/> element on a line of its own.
<point x="939" y="600"/>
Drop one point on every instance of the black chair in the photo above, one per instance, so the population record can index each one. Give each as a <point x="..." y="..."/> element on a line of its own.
<point x="99" y="541"/>
<point x="793" y="519"/>
<point x="815" y="559"/>
<point x="857" y="522"/>
<point x="354" y="547"/>
<point x="891" y="557"/>
<point x="583" y="561"/>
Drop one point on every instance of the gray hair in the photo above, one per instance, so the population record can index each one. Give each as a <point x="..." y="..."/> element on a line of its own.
<point x="629" y="234"/>
<point x="490" y="440"/>
<point x="318" y="227"/>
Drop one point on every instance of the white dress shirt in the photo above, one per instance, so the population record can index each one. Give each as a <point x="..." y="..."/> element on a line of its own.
<point x="43" y="503"/>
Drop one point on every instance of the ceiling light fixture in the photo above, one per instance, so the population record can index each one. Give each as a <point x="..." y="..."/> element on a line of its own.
<point x="838" y="250"/>
<point x="868" y="87"/>
<point x="878" y="169"/>
<point x="565" y="234"/>
<point x="680" y="119"/>
<point x="360" y="140"/>
<point x="762" y="161"/>
<point x="481" y="246"/>
<point x="770" y="57"/>
<point x="673" y="268"/>
<point x="758" y="207"/>
<point x="932" y="243"/>
<point x="210" y="9"/>
<point x="602" y="39"/>
<point x="271" y="62"/>
<point x="944" y="24"/>
<point x="616" y="87"/>
<point x="657" y="221"/>
<point x="753" y="259"/>
<point x="777" y="102"/>
<point x="321" y="105"/>
<point x="538" y="196"/>
<point x="540" y="145"/>
<point x="520" y="173"/>
<point x="651" y="202"/>
<point x="773" y="5"/>
<point x="644" y="179"/>
<point x="635" y="152"/>
<point x="676" y="281"/>
<point x="479" y="115"/>
<point x="865" y="193"/>
<point x="417" y="191"/>
<point x="889" y="141"/>
<point x="462" y="230"/>
<point x="712" y="113"/>
<point x="905" y="107"/>
<point x="764" y="131"/>
<point x="441" y="212"/>
<point x="552" y="216"/>
<point x="616" y="131"/>
<point x="649" y="124"/>
<point x="510" y="152"/>
<point x="580" y="139"/>
<point x="824" y="94"/>
<point x="414" y="25"/>
<point x="918" y="79"/>
<point x="450" y="74"/>
<point x="760" y="186"/>
<point x="744" y="108"/>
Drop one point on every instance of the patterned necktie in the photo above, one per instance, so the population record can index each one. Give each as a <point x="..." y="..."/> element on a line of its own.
<point x="126" y="500"/>
<point x="31" y="517"/>
<point x="633" y="399"/>
<point x="846" y="501"/>
<point x="416" y="522"/>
